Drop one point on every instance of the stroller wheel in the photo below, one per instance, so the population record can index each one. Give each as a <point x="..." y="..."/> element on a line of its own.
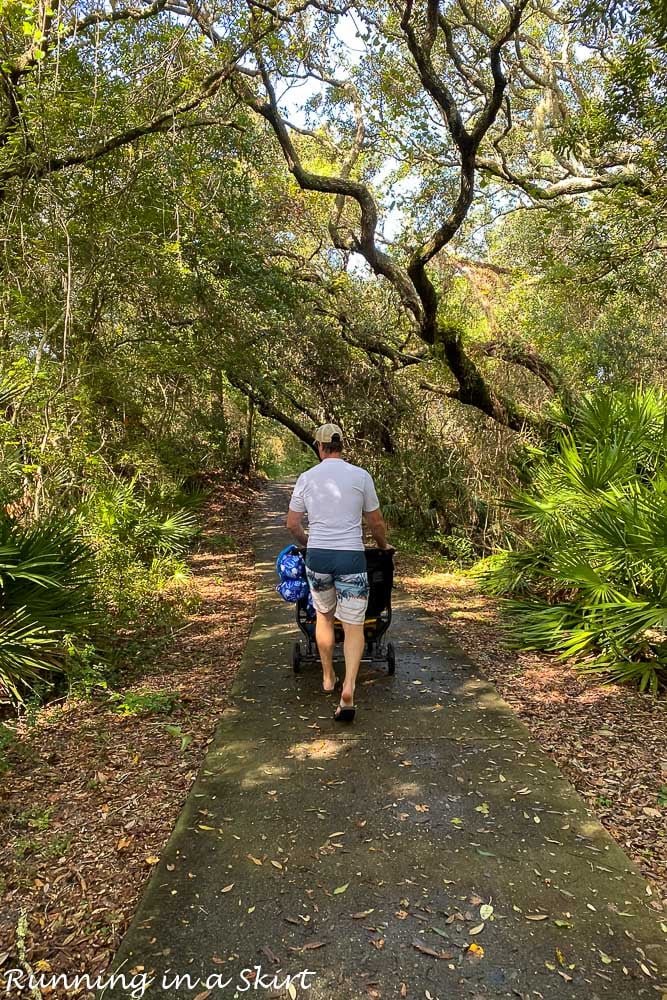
<point x="296" y="658"/>
<point x="391" y="659"/>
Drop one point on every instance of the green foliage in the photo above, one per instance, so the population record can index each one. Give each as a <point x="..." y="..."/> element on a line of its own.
<point x="142" y="600"/>
<point x="456" y="546"/>
<point x="88" y="672"/>
<point x="150" y="293"/>
<point x="590" y="580"/>
<point x="57" y="846"/>
<point x="142" y="583"/>
<point x="6" y="743"/>
<point x="441" y="483"/>
<point x="72" y="585"/>
<point x="146" y="702"/>
<point x="281" y="455"/>
<point x="585" y="293"/>
<point x="219" y="543"/>
<point x="122" y="515"/>
<point x="46" y="581"/>
<point x="35" y="818"/>
<point x="178" y="734"/>
<point x="25" y="847"/>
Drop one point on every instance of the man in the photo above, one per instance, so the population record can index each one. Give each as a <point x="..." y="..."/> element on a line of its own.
<point x="336" y="495"/>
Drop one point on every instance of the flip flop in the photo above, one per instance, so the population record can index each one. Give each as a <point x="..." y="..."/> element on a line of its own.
<point x="331" y="690"/>
<point x="344" y="713"/>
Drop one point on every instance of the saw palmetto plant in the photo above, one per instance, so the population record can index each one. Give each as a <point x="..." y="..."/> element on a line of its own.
<point x="590" y="581"/>
<point x="45" y="598"/>
<point x="121" y="513"/>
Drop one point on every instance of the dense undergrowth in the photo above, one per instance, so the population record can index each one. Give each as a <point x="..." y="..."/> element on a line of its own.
<point x="589" y="579"/>
<point x="78" y="589"/>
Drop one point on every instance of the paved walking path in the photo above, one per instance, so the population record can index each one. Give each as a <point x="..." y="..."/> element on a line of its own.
<point x="372" y="855"/>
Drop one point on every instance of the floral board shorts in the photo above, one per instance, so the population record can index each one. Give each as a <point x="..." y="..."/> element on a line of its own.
<point x="338" y="582"/>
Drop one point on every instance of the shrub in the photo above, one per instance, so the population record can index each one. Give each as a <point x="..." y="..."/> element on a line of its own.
<point x="71" y="584"/>
<point x="219" y="543"/>
<point x="138" y="539"/>
<point x="456" y="546"/>
<point x="590" y="580"/>
<point x="121" y="514"/>
<point x="46" y="578"/>
<point x="140" y="600"/>
<point x="88" y="671"/>
<point x="146" y="702"/>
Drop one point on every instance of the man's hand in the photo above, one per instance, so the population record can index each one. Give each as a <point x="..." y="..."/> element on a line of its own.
<point x="295" y="527"/>
<point x="378" y="528"/>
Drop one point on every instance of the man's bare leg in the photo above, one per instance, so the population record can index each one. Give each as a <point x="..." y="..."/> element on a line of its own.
<point x="325" y="639"/>
<point x="354" y="650"/>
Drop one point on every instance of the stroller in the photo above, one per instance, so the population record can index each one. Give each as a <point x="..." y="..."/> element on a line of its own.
<point x="380" y="563"/>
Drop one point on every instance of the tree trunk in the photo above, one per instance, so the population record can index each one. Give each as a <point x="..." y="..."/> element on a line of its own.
<point x="218" y="415"/>
<point x="247" y="440"/>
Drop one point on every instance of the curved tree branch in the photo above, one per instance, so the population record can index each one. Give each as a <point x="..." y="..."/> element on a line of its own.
<point x="30" y="167"/>
<point x="526" y="357"/>
<point x="268" y="408"/>
<point x="337" y="185"/>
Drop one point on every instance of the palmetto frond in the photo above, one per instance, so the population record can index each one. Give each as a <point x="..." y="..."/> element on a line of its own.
<point x="124" y="514"/>
<point x="45" y="596"/>
<point x="11" y="386"/>
<point x="593" y="578"/>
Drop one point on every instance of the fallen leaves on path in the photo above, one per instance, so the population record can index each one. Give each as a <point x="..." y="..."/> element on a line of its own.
<point x="308" y="946"/>
<point x="425" y="950"/>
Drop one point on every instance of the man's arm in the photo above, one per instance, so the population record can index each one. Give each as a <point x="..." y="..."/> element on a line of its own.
<point x="373" y="514"/>
<point x="295" y="527"/>
<point x="295" y="512"/>
<point x="375" y="522"/>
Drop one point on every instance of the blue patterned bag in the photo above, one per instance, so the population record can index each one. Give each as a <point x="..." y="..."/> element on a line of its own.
<point x="291" y="568"/>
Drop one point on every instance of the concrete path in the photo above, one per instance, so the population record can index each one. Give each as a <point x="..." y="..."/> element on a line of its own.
<point x="429" y="850"/>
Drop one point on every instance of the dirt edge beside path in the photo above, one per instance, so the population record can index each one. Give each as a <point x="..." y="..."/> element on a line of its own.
<point x="90" y="796"/>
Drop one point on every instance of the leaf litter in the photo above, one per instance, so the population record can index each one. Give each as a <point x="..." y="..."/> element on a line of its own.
<point x="131" y="797"/>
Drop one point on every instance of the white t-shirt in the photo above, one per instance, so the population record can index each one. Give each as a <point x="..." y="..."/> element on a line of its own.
<point x="335" y="494"/>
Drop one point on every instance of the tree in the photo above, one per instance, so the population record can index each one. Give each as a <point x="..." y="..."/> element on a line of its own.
<point x="77" y="83"/>
<point x="458" y="64"/>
